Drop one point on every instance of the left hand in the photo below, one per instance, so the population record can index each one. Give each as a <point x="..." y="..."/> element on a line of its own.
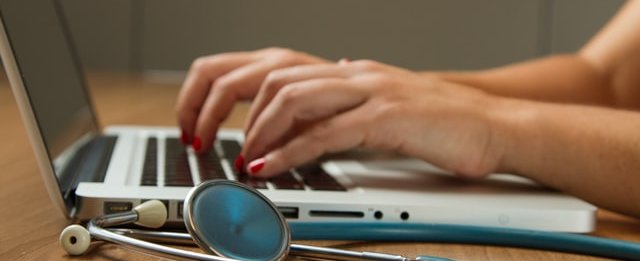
<point x="303" y="112"/>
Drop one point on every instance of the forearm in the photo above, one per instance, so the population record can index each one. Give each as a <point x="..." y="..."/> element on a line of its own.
<point x="562" y="78"/>
<point x="590" y="152"/>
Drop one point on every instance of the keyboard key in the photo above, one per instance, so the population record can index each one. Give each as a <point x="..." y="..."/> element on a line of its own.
<point x="150" y="166"/>
<point x="286" y="181"/>
<point x="209" y="166"/>
<point x="253" y="182"/>
<point x="317" y="179"/>
<point x="177" y="171"/>
<point x="231" y="149"/>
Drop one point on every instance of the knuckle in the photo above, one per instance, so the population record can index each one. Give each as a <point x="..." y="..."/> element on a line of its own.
<point x="368" y="65"/>
<point x="286" y="56"/>
<point x="202" y="64"/>
<point x="274" y="81"/>
<point x="199" y="65"/>
<point x="289" y="95"/>
<point x="273" y="49"/>
<point x="378" y="81"/>
<point x="224" y="84"/>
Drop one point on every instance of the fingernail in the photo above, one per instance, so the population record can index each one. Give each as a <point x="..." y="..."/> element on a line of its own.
<point x="197" y="143"/>
<point x="239" y="163"/>
<point x="256" y="165"/>
<point x="184" y="138"/>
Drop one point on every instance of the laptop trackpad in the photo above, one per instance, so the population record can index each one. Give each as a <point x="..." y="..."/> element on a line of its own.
<point x="408" y="174"/>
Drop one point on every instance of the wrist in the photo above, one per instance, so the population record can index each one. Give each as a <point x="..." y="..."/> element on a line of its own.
<point x="513" y="133"/>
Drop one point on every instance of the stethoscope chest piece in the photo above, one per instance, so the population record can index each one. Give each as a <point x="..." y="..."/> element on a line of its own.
<point x="224" y="219"/>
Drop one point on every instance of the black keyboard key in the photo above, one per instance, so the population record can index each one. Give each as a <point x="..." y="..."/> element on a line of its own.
<point x="253" y="182"/>
<point x="231" y="149"/>
<point x="209" y="166"/>
<point x="150" y="167"/>
<point x="286" y="181"/>
<point x="317" y="179"/>
<point x="177" y="171"/>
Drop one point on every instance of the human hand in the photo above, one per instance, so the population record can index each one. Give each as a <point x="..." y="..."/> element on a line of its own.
<point x="303" y="112"/>
<point x="214" y="83"/>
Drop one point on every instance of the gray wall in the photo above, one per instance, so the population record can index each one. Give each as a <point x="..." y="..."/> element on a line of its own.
<point x="420" y="34"/>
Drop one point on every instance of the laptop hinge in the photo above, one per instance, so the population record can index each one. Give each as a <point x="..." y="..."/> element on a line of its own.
<point x="89" y="164"/>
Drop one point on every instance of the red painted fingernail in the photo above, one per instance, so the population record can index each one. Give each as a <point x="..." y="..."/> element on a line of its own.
<point x="239" y="163"/>
<point x="184" y="138"/>
<point x="256" y="165"/>
<point x="197" y="143"/>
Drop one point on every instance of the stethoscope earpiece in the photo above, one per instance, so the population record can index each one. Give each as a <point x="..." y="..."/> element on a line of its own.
<point x="75" y="240"/>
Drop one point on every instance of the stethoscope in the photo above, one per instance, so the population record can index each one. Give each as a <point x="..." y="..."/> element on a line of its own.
<point x="231" y="221"/>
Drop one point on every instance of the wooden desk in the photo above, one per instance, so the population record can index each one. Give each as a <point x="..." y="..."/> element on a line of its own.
<point x="30" y="224"/>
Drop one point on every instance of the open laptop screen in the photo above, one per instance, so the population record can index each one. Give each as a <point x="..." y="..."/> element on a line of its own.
<point x="52" y="80"/>
<point x="54" y="87"/>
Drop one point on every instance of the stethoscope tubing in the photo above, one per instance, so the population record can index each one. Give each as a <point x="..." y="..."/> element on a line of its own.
<point x="294" y="249"/>
<point x="436" y="233"/>
<point x="148" y="247"/>
<point x="444" y="233"/>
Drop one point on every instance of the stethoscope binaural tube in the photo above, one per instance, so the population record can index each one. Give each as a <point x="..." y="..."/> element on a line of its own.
<point x="76" y="239"/>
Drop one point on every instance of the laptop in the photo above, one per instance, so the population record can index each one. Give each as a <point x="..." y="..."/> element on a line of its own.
<point x="90" y="171"/>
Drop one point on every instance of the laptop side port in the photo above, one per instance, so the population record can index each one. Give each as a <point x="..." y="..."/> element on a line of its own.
<point x="111" y="207"/>
<point x="336" y="214"/>
<point x="289" y="212"/>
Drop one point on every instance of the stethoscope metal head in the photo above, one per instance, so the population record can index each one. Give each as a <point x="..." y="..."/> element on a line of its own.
<point x="233" y="220"/>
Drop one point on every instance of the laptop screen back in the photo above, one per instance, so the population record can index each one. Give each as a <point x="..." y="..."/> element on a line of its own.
<point x="51" y="76"/>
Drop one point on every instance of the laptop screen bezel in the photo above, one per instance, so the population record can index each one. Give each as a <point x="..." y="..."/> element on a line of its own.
<point x="17" y="83"/>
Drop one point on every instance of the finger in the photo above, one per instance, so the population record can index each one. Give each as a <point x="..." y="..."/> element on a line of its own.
<point x="241" y="83"/>
<point x="342" y="132"/>
<point x="310" y="100"/>
<point x="276" y="80"/>
<point x="202" y="74"/>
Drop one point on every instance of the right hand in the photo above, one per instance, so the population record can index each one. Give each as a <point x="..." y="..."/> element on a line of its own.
<point x="214" y="83"/>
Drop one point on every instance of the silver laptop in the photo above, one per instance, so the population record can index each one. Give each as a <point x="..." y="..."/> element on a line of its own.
<point x="90" y="171"/>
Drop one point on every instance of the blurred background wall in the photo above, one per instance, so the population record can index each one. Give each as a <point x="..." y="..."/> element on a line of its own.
<point x="166" y="35"/>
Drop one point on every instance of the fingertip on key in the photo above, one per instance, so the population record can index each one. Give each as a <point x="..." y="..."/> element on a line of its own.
<point x="197" y="144"/>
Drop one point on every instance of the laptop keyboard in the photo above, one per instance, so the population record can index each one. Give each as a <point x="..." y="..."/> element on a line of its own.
<point x="178" y="173"/>
<point x="176" y="165"/>
<point x="150" y="167"/>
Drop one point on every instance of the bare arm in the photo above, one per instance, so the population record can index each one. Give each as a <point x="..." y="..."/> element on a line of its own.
<point x="606" y="71"/>
<point x="592" y="152"/>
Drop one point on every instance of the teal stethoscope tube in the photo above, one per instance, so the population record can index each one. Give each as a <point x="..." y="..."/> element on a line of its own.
<point x="442" y="233"/>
